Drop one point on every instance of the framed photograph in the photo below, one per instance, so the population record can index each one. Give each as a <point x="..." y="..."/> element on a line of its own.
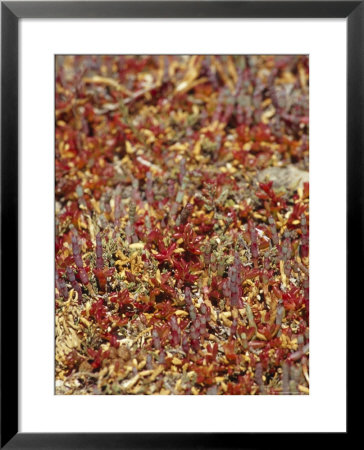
<point x="181" y="194"/>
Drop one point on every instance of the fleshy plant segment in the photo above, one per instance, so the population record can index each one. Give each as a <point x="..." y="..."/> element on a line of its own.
<point x="182" y="225"/>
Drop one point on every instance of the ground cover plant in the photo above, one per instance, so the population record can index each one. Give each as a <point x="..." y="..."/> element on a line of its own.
<point x="182" y="225"/>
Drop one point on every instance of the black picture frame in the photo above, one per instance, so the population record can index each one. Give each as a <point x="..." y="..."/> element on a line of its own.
<point x="11" y="12"/>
